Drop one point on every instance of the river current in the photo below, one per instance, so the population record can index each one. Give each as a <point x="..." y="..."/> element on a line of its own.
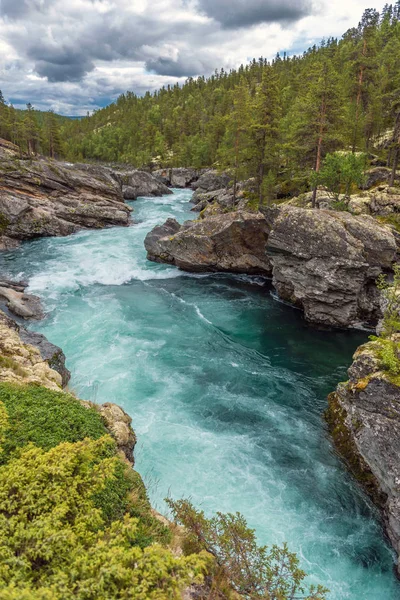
<point x="226" y="387"/>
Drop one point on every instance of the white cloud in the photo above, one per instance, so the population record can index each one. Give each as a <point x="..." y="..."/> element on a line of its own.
<point x="75" y="55"/>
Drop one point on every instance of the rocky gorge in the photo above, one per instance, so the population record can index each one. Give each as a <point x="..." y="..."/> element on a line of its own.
<point x="325" y="262"/>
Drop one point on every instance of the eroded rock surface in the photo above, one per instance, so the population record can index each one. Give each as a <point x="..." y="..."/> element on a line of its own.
<point x="118" y="422"/>
<point x="364" y="419"/>
<point x="137" y="183"/>
<point x="43" y="197"/>
<point x="26" y="306"/>
<point x="234" y="242"/>
<point x="178" y="177"/>
<point x="21" y="362"/>
<point x="327" y="263"/>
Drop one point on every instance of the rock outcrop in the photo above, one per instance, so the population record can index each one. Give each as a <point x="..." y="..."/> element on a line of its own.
<point x="20" y="362"/>
<point x="235" y="242"/>
<point x="378" y="175"/>
<point x="327" y="262"/>
<point x="50" y="353"/>
<point x="118" y="422"/>
<point x="43" y="197"/>
<point x="177" y="177"/>
<point x="14" y="298"/>
<point x="364" y="419"/>
<point x="212" y="180"/>
<point x="324" y="262"/>
<point x="137" y="183"/>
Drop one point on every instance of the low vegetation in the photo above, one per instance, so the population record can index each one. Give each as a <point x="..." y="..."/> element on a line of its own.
<point x="76" y="523"/>
<point x="240" y="564"/>
<point x="388" y="342"/>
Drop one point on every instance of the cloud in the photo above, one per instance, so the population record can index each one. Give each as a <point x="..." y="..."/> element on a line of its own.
<point x="244" y="13"/>
<point x="61" y="64"/>
<point x="16" y="9"/>
<point x="76" y="55"/>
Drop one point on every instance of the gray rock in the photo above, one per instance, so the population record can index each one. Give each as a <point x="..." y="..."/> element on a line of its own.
<point x="376" y="176"/>
<point x="178" y="177"/>
<point x="212" y="180"/>
<point x="52" y="354"/>
<point x="364" y="419"/>
<point x="43" y="197"/>
<point x="136" y="183"/>
<point x="155" y="246"/>
<point x="234" y="242"/>
<point x="327" y="263"/>
<point x="26" y="306"/>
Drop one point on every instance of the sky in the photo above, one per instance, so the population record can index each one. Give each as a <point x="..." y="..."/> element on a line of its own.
<point x="73" y="56"/>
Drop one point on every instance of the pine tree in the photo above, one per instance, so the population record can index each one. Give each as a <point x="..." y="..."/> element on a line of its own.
<point x="30" y="130"/>
<point x="52" y="134"/>
<point x="265" y="115"/>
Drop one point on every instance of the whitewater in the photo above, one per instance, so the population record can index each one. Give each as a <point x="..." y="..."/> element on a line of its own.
<point x="226" y="388"/>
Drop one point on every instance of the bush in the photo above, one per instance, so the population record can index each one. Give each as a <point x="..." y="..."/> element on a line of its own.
<point x="340" y="172"/>
<point x="46" y="418"/>
<point x="254" y="572"/>
<point x="55" y="543"/>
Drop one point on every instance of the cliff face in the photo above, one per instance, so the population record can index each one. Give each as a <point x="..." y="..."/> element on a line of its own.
<point x="364" y="419"/>
<point x="324" y="262"/>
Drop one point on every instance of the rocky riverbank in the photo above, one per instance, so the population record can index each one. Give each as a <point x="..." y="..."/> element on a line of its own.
<point x="43" y="197"/>
<point x="364" y="420"/>
<point x="324" y="262"/>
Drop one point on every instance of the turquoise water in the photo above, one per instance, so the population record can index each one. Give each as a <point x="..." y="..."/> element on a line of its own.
<point x="226" y="388"/>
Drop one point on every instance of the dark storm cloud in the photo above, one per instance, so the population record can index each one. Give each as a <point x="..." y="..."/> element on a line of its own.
<point x="242" y="13"/>
<point x="69" y="53"/>
<point x="60" y="64"/>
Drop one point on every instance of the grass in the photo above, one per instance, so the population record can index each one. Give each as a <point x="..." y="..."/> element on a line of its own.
<point x="45" y="418"/>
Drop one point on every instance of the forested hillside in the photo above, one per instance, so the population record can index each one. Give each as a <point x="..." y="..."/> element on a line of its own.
<point x="33" y="131"/>
<point x="274" y="121"/>
<point x="265" y="119"/>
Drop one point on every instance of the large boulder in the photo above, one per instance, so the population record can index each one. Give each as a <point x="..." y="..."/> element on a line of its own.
<point x="233" y="242"/>
<point x="364" y="419"/>
<point x="21" y="304"/>
<point x="376" y="176"/>
<point x="212" y="180"/>
<point x="44" y="197"/>
<point x="327" y="263"/>
<point x="137" y="183"/>
<point x="177" y="177"/>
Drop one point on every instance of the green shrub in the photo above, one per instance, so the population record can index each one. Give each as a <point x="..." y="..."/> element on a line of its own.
<point x="254" y="572"/>
<point x="341" y="172"/>
<point x="55" y="543"/>
<point x="45" y="418"/>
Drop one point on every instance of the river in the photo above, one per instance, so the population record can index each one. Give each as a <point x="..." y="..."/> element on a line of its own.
<point x="226" y="387"/>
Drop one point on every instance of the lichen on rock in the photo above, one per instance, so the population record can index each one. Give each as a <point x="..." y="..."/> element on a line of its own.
<point x="364" y="420"/>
